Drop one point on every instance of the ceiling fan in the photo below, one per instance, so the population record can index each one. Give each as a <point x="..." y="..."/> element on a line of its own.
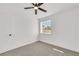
<point x="36" y="6"/>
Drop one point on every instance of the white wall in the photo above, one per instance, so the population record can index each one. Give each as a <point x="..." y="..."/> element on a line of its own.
<point x="66" y="29"/>
<point x="14" y="20"/>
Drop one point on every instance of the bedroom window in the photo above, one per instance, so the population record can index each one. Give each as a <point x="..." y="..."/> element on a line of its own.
<point x="46" y="26"/>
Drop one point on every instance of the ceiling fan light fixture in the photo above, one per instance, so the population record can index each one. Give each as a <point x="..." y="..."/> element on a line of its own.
<point x="35" y="8"/>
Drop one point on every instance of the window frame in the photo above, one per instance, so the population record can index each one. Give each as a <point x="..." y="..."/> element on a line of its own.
<point x="45" y="21"/>
<point x="52" y="21"/>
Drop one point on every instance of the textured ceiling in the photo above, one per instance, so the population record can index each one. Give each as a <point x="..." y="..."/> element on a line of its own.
<point x="52" y="8"/>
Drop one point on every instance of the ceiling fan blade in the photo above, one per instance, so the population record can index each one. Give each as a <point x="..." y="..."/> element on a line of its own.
<point x="35" y="12"/>
<point x="28" y="7"/>
<point x="33" y="4"/>
<point x="36" y="4"/>
<point x="42" y="9"/>
<point x="39" y="4"/>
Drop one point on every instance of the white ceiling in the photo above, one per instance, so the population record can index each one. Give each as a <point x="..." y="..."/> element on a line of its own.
<point x="51" y="8"/>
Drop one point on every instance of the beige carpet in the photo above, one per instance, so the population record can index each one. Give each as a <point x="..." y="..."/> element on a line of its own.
<point x="39" y="49"/>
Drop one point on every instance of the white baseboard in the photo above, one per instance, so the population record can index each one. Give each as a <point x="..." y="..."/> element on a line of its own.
<point x="48" y="42"/>
<point x="18" y="46"/>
